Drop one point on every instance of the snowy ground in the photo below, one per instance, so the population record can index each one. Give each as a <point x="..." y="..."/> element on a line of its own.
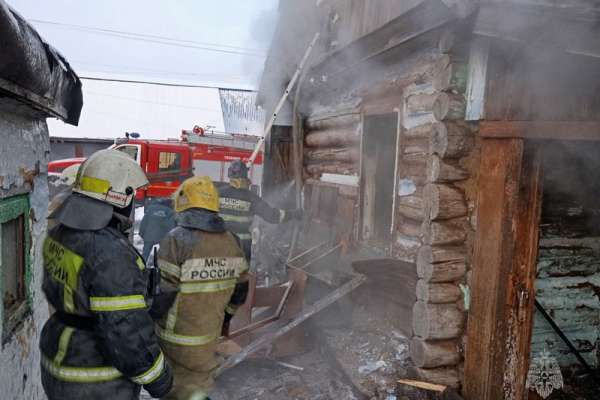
<point x="137" y="240"/>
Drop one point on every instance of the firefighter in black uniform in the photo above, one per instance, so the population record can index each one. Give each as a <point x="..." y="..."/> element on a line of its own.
<point x="238" y="205"/>
<point x="100" y="344"/>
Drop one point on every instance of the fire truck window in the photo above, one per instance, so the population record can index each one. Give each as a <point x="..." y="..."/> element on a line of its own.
<point x="131" y="151"/>
<point x="169" y="161"/>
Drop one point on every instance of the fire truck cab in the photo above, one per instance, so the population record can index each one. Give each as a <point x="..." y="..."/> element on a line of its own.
<point x="167" y="163"/>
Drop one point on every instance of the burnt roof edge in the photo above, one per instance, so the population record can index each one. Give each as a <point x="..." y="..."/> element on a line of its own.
<point x="35" y="73"/>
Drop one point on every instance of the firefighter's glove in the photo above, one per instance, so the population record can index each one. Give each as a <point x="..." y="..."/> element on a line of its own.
<point x="226" y="323"/>
<point x="295" y="214"/>
<point x="163" y="302"/>
<point x="162" y="385"/>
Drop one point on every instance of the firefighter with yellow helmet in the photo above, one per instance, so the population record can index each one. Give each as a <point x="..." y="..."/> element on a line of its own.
<point x="207" y="266"/>
<point x="100" y="343"/>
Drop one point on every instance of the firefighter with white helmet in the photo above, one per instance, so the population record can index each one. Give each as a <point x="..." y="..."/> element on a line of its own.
<point x="207" y="266"/>
<point x="100" y="343"/>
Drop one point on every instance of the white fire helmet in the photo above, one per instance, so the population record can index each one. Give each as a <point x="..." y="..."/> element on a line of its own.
<point x="111" y="177"/>
<point x="69" y="174"/>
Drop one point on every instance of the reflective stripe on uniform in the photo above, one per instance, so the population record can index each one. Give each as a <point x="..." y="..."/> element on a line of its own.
<point x="244" y="236"/>
<point x="230" y="309"/>
<point x="64" y="266"/>
<point x="82" y="375"/>
<point x="63" y="344"/>
<point x="206" y="287"/>
<point x="140" y="263"/>
<point x="153" y="372"/>
<point x="213" y="268"/>
<point x="237" y="218"/>
<point x="183" y="340"/>
<point x="117" y="303"/>
<point x="94" y="185"/>
<point x="169" y="268"/>
<point x="198" y="395"/>
<point x="172" y="315"/>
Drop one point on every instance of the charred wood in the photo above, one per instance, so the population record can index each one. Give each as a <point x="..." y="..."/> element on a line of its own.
<point x="451" y="140"/>
<point x="440" y="171"/>
<point x="332" y="154"/>
<point x="437" y="321"/>
<point x="438" y="293"/>
<point x="449" y="106"/>
<point x="447" y="271"/>
<point x="443" y="202"/>
<point x="331" y="168"/>
<point x="452" y="231"/>
<point x="452" y="79"/>
<point x="410" y="227"/>
<point x="333" y="121"/>
<point x="434" y="354"/>
<point x="445" y="376"/>
<point x="335" y="137"/>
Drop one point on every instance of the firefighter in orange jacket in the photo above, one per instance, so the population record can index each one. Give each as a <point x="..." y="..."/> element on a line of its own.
<point x="206" y="265"/>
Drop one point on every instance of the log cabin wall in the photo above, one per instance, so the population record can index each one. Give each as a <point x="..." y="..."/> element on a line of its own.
<point x="433" y="215"/>
<point x="431" y="228"/>
<point x="568" y="273"/>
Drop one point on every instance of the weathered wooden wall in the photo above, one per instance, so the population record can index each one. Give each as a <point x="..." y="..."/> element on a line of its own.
<point x="347" y="20"/>
<point x="433" y="225"/>
<point x="568" y="280"/>
<point x="526" y="85"/>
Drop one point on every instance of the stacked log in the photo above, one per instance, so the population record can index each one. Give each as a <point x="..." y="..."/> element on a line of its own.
<point x="332" y="145"/>
<point x="436" y="216"/>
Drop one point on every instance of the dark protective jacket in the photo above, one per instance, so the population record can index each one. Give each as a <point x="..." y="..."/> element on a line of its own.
<point x="206" y="265"/>
<point x="238" y="207"/>
<point x="102" y="331"/>
<point x="157" y="222"/>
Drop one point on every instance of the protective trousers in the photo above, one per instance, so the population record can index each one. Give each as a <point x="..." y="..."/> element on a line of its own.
<point x="188" y="337"/>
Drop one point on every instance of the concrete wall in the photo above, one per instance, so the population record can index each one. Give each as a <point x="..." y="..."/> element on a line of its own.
<point x="60" y="149"/>
<point x="23" y="160"/>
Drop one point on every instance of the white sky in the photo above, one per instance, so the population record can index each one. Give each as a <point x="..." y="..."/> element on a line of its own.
<point x="110" y="109"/>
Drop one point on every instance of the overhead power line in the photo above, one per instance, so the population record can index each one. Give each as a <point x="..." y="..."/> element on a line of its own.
<point x="127" y="69"/>
<point x="138" y="100"/>
<point x="93" y="78"/>
<point x="164" y="40"/>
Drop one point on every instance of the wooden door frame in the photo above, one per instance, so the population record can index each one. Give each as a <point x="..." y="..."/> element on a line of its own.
<point x="503" y="270"/>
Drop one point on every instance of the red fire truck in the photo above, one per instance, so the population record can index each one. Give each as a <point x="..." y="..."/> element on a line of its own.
<point x="167" y="163"/>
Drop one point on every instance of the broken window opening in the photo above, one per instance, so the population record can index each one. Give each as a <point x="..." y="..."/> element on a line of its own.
<point x="380" y="134"/>
<point x="14" y="263"/>
<point x="568" y="251"/>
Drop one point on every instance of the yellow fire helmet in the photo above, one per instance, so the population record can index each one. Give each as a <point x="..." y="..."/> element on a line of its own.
<point x="111" y="177"/>
<point x="196" y="192"/>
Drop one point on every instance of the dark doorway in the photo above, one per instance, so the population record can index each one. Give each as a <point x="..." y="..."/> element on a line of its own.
<point x="380" y="134"/>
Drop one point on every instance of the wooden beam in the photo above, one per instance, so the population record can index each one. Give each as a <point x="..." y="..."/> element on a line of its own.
<point x="497" y="203"/>
<point x="521" y="287"/>
<point x="559" y="130"/>
<point x="477" y="78"/>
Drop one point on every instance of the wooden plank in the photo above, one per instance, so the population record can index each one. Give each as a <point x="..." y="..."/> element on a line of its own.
<point x="521" y="287"/>
<point x="560" y="130"/>
<point x="423" y="385"/>
<point x="496" y="214"/>
<point x="478" y="61"/>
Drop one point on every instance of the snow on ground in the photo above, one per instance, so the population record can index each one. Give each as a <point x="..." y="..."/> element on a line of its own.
<point x="137" y="239"/>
